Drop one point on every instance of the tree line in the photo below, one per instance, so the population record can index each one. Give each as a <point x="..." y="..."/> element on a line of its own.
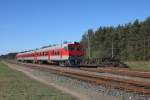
<point x="128" y="42"/>
<point x="8" y="56"/>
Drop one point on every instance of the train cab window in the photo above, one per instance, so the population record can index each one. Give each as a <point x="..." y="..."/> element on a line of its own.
<point x="78" y="48"/>
<point x="75" y="47"/>
<point x="71" y="48"/>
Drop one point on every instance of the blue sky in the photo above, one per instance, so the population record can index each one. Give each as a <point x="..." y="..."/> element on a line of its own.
<point x="29" y="24"/>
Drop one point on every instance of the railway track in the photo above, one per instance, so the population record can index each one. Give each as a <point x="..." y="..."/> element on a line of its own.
<point x="129" y="85"/>
<point x="119" y="71"/>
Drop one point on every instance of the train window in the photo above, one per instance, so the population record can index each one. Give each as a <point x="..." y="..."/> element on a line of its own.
<point x="46" y="53"/>
<point x="65" y="48"/>
<point x="53" y="52"/>
<point x="57" y="52"/>
<point x="43" y="53"/>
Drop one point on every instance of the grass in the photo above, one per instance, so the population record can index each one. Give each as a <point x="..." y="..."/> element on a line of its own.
<point x="145" y="66"/>
<point x="15" y="85"/>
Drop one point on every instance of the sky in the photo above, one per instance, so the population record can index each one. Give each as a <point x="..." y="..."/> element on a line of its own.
<point x="30" y="24"/>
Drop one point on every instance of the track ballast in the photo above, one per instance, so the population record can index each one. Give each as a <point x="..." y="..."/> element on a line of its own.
<point x="129" y="85"/>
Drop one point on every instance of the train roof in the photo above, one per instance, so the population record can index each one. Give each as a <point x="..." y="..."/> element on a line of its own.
<point x="48" y="48"/>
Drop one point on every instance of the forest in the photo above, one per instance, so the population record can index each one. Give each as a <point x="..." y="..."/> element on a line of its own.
<point x="128" y="42"/>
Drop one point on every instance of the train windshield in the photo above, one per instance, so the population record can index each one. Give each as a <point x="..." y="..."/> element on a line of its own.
<point x="74" y="48"/>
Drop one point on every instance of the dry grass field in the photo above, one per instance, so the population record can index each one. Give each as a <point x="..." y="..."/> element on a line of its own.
<point x="141" y="65"/>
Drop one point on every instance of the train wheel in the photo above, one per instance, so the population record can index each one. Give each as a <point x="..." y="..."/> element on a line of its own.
<point x="40" y="62"/>
<point x="61" y="63"/>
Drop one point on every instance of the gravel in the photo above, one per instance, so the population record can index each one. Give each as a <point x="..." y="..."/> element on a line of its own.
<point x="93" y="91"/>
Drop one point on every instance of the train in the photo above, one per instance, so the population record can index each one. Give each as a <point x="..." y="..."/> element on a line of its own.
<point x="68" y="54"/>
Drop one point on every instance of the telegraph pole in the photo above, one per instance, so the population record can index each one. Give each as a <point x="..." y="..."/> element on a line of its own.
<point x="144" y="49"/>
<point x="89" y="46"/>
<point x="112" y="49"/>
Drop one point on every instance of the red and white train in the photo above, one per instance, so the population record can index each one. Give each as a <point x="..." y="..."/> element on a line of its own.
<point x="69" y="54"/>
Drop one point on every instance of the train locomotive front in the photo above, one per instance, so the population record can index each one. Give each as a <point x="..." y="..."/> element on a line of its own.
<point x="74" y="53"/>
